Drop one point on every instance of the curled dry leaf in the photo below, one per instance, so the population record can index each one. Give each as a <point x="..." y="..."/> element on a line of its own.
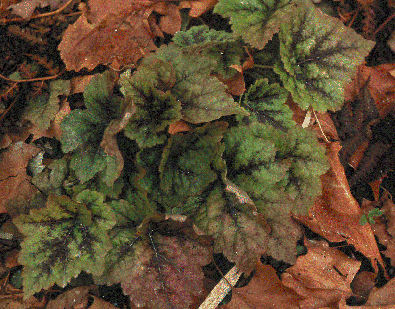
<point x="265" y="290"/>
<point x="14" y="182"/>
<point x="336" y="214"/>
<point x="322" y="277"/>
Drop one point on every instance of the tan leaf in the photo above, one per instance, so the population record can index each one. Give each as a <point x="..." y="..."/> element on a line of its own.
<point x="178" y="126"/>
<point x="198" y="7"/>
<point x="75" y="298"/>
<point x="336" y="214"/>
<point x="384" y="295"/>
<point x="114" y="32"/>
<point x="384" y="226"/>
<point x="265" y="290"/>
<point x="171" y="21"/>
<point x="14" y="182"/>
<point x="322" y="277"/>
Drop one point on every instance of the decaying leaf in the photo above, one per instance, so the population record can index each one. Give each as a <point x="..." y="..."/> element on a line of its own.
<point x="112" y="32"/>
<point x="336" y="214"/>
<point x="322" y="277"/>
<point x="265" y="290"/>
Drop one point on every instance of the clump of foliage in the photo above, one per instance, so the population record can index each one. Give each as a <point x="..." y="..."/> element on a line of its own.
<point x="237" y="173"/>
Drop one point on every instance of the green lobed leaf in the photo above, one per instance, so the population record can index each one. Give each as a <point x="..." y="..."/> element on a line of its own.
<point x="82" y="131"/>
<point x="220" y="46"/>
<point x="238" y="233"/>
<point x="203" y="97"/>
<point x="266" y="102"/>
<point x="256" y="21"/>
<point x="50" y="180"/>
<point x="63" y="239"/>
<point x="272" y="165"/>
<point x="41" y="110"/>
<point x="156" y="109"/>
<point x="186" y="165"/>
<point x="319" y="55"/>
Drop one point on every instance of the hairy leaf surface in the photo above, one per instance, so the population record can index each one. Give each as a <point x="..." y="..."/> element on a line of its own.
<point x="220" y="46"/>
<point x="203" y="97"/>
<point x="266" y="102"/>
<point x="186" y="168"/>
<point x="82" y="131"/>
<point x="255" y="20"/>
<point x="156" y="107"/>
<point x="319" y="55"/>
<point x="41" y="110"/>
<point x="272" y="165"/>
<point x="238" y="233"/>
<point x="63" y="239"/>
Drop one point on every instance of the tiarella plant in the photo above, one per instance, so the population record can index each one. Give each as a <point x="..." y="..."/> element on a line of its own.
<point x="130" y="203"/>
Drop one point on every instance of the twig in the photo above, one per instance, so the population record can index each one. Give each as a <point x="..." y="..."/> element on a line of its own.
<point x="28" y="80"/>
<point x="5" y="20"/>
<point x="383" y="24"/>
<point x="319" y="124"/>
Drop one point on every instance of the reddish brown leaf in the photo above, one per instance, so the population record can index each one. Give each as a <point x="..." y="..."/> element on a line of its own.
<point x="265" y="290"/>
<point x="75" y="298"/>
<point x="109" y="141"/>
<point x="363" y="283"/>
<point x="178" y="126"/>
<point x="381" y="85"/>
<point x="322" y="277"/>
<point x="14" y="182"/>
<point x="383" y="296"/>
<point x="321" y="123"/>
<point x="171" y="21"/>
<point x="198" y="7"/>
<point x="336" y="214"/>
<point x="113" y="32"/>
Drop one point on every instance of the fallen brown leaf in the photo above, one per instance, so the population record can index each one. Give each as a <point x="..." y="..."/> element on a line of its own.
<point x="14" y="182"/>
<point x="322" y="277"/>
<point x="335" y="214"/>
<point x="265" y="290"/>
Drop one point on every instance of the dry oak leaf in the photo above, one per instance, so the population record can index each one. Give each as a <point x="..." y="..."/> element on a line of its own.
<point x="114" y="32"/>
<point x="265" y="290"/>
<point x="384" y="226"/>
<point x="335" y="214"/>
<point x="322" y="277"/>
<point x="14" y="182"/>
